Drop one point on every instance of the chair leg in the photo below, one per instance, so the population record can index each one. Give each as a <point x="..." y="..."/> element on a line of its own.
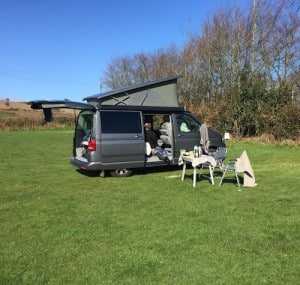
<point x="200" y="172"/>
<point x="236" y="176"/>
<point x="224" y="173"/>
<point x="237" y="179"/>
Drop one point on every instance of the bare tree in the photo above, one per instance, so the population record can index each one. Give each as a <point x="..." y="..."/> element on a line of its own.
<point x="245" y="59"/>
<point x="119" y="73"/>
<point x="126" y="71"/>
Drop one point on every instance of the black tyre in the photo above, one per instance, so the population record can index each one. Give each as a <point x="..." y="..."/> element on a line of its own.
<point x="121" y="172"/>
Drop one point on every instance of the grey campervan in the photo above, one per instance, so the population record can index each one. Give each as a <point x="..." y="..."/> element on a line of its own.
<point x="109" y="133"/>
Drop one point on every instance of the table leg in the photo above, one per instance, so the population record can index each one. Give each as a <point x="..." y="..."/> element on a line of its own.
<point x="194" y="176"/>
<point x="211" y="172"/>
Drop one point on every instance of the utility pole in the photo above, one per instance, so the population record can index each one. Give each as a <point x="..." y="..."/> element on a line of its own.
<point x="101" y="86"/>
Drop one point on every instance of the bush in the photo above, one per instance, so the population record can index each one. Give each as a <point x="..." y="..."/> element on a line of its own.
<point x="242" y="120"/>
<point x="286" y="123"/>
<point x="252" y="110"/>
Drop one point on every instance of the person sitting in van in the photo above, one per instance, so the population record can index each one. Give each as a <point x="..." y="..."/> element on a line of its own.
<point x="184" y="128"/>
<point x="151" y="138"/>
<point x="166" y="130"/>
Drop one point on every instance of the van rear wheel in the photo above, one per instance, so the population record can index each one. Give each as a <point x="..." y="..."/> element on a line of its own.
<point x="121" y="172"/>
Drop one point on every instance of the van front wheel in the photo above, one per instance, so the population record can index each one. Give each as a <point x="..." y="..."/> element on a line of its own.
<point x="121" y="172"/>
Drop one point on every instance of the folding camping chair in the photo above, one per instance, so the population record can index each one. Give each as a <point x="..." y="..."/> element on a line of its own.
<point x="231" y="166"/>
<point x="241" y="165"/>
<point x="219" y="155"/>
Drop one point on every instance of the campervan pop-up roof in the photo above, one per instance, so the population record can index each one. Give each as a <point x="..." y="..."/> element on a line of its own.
<point x="159" y="93"/>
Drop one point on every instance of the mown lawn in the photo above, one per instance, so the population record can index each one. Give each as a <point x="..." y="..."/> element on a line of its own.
<point x="60" y="226"/>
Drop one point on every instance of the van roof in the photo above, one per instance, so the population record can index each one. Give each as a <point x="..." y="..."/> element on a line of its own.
<point x="162" y="93"/>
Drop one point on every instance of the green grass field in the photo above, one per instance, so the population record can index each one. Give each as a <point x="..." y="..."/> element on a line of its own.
<point x="60" y="226"/>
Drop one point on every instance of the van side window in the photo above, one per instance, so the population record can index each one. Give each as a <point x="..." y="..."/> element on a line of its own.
<point x="120" y="122"/>
<point x="187" y="124"/>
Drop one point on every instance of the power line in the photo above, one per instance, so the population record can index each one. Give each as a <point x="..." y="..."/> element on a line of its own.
<point x="17" y="74"/>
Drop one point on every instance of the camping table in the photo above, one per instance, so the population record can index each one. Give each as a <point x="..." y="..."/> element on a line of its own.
<point x="195" y="162"/>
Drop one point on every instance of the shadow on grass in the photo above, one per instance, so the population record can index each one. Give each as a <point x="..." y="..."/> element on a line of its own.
<point x="229" y="179"/>
<point x="136" y="171"/>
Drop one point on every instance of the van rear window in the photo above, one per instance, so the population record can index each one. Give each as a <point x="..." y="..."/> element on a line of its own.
<point x="120" y="122"/>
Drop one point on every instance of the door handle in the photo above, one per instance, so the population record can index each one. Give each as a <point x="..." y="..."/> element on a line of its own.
<point x="137" y="136"/>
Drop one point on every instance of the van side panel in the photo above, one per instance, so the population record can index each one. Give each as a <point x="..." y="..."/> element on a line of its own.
<point x="121" y="142"/>
<point x="122" y="148"/>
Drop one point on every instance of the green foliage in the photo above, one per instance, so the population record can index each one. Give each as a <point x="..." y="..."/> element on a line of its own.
<point x="249" y="105"/>
<point x="285" y="124"/>
<point x="255" y="111"/>
<point x="61" y="226"/>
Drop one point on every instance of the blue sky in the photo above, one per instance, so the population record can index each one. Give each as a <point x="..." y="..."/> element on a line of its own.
<point x="57" y="49"/>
